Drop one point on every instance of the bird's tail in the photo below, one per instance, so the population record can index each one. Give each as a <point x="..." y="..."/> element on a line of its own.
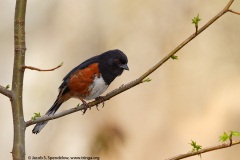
<point x="39" y="126"/>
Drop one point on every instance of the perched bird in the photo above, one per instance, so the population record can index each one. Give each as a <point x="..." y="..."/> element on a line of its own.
<point x="88" y="80"/>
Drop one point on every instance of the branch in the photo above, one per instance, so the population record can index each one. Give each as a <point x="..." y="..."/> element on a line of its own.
<point x="6" y="92"/>
<point x="83" y="107"/>
<point x="204" y="150"/>
<point x="138" y="80"/>
<point x="18" y="150"/>
<point x="238" y="13"/>
<point x="37" y="69"/>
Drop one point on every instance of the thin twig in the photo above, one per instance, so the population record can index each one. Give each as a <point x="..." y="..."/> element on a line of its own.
<point x="238" y="13"/>
<point x="44" y="70"/>
<point x="204" y="150"/>
<point x="196" y="27"/>
<point x="138" y="80"/>
<point x="6" y="92"/>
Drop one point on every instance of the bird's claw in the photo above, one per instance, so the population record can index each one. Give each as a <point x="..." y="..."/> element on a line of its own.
<point x="86" y="106"/>
<point x="101" y="99"/>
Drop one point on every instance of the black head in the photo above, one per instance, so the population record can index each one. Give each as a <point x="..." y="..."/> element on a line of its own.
<point x="111" y="64"/>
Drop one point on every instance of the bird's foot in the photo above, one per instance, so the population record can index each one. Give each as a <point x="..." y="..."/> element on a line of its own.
<point x="86" y="106"/>
<point x="101" y="99"/>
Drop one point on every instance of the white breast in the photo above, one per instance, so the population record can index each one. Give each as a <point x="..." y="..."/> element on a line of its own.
<point x="97" y="88"/>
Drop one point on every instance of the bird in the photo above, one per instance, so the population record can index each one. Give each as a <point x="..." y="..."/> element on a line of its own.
<point x="88" y="80"/>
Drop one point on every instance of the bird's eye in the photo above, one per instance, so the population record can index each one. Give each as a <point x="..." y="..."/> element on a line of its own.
<point x="117" y="61"/>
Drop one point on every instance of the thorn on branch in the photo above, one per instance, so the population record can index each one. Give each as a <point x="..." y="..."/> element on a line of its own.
<point x="44" y="70"/>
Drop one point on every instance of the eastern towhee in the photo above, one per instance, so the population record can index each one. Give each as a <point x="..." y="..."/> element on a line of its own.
<point x="88" y="80"/>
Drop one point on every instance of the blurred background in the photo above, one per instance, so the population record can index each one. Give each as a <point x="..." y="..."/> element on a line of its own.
<point x="196" y="97"/>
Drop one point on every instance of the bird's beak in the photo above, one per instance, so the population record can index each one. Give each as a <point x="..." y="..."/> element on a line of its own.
<point x="124" y="66"/>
